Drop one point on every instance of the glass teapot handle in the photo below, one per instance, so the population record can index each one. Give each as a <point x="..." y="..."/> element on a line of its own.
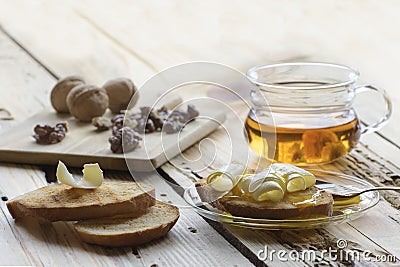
<point x="388" y="112"/>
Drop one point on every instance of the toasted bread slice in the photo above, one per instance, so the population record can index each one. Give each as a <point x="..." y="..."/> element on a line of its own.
<point x="293" y="205"/>
<point x="112" y="232"/>
<point x="61" y="202"/>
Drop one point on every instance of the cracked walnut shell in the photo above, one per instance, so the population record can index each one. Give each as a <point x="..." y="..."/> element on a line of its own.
<point x="87" y="101"/>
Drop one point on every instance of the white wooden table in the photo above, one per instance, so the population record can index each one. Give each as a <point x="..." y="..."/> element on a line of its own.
<point x="41" y="41"/>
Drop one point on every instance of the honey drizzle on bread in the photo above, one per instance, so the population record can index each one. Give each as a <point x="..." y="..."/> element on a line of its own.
<point x="285" y="209"/>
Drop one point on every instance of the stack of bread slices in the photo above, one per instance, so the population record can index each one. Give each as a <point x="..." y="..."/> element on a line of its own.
<point x="114" y="214"/>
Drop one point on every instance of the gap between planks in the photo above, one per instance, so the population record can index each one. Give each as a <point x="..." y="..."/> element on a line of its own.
<point x="6" y="33"/>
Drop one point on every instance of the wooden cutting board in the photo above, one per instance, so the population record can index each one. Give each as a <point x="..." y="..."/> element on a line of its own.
<point x="84" y="144"/>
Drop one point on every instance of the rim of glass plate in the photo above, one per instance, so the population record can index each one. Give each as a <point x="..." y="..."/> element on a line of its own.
<point x="327" y="219"/>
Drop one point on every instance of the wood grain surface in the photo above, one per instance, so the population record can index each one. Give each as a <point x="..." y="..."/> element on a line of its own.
<point x="45" y="40"/>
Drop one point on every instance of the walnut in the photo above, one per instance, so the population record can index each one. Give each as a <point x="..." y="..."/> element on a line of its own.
<point x="60" y="91"/>
<point x="46" y="134"/>
<point x="120" y="91"/>
<point x="87" y="101"/>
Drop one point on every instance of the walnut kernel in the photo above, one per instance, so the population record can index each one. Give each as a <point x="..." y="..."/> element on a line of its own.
<point x="46" y="134"/>
<point x="102" y="123"/>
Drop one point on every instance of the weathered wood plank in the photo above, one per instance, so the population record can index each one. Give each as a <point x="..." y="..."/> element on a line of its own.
<point x="87" y="51"/>
<point x="9" y="244"/>
<point x="386" y="149"/>
<point x="24" y="85"/>
<point x="381" y="228"/>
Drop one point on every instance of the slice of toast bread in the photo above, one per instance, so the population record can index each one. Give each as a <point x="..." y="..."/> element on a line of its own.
<point x="112" y="232"/>
<point x="61" y="202"/>
<point x="290" y="207"/>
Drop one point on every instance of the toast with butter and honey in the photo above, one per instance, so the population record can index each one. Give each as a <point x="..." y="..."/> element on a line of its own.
<point x="281" y="192"/>
<point x="155" y="223"/>
<point x="308" y="203"/>
<point x="60" y="202"/>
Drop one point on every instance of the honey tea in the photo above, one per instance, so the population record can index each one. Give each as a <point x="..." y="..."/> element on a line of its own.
<point x="302" y="145"/>
<point x="302" y="112"/>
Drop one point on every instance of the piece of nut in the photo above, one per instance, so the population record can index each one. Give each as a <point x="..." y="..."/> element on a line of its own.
<point x="120" y="92"/>
<point x="120" y="120"/>
<point x="87" y="101"/>
<point x="171" y="127"/>
<point x="124" y="139"/>
<point x="58" y="96"/>
<point x="102" y="123"/>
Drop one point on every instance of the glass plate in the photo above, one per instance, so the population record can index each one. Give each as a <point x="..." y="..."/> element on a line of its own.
<point x="340" y="214"/>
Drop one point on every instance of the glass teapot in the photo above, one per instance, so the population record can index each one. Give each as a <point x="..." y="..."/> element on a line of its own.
<point x="303" y="113"/>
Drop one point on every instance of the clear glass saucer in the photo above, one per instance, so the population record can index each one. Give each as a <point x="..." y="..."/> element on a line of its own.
<point x="341" y="214"/>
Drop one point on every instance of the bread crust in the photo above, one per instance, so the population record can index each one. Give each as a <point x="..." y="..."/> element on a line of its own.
<point x="127" y="237"/>
<point x="63" y="203"/>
